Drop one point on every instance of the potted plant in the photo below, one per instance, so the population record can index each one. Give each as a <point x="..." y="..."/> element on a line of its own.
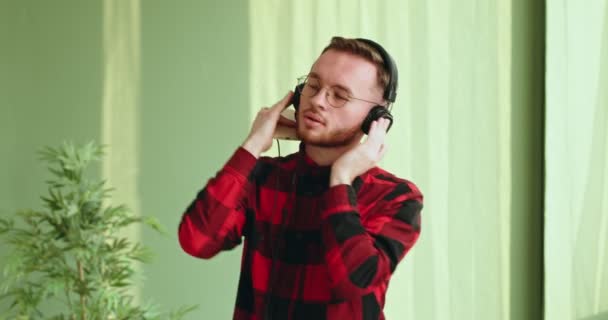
<point x="73" y="254"/>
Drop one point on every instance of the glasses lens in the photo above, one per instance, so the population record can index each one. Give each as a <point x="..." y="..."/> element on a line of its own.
<point x="310" y="88"/>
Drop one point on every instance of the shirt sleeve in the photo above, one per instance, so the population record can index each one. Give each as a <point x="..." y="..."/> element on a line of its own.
<point x="362" y="255"/>
<point x="215" y="219"/>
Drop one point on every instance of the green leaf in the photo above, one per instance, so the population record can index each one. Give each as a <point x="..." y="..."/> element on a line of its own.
<point x="154" y="224"/>
<point x="141" y="253"/>
<point x="71" y="210"/>
<point x="6" y="225"/>
<point x="48" y="154"/>
<point x="119" y="244"/>
<point x="182" y="311"/>
<point x="117" y="212"/>
<point x="53" y="287"/>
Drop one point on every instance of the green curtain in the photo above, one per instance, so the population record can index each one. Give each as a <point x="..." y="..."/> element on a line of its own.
<point x="576" y="199"/>
<point x="452" y="133"/>
<point x="120" y="105"/>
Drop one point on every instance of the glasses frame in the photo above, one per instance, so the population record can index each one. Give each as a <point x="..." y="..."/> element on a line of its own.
<point x="304" y="80"/>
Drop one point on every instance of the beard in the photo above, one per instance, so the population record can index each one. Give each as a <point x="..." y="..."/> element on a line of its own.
<point x="332" y="139"/>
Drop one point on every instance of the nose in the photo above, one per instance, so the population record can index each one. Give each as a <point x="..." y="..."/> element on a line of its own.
<point x="320" y="99"/>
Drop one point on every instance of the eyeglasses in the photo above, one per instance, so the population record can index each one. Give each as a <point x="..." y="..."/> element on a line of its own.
<point x="336" y="97"/>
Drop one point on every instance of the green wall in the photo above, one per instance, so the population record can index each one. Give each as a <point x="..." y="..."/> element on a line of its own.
<point x="51" y="86"/>
<point x="195" y="112"/>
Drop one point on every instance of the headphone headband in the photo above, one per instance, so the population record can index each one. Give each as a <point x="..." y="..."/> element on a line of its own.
<point x="390" y="92"/>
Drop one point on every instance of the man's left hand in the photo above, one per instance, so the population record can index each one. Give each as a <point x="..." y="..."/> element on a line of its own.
<point x="361" y="158"/>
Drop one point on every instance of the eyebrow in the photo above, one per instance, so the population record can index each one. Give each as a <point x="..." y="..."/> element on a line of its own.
<point x="313" y="74"/>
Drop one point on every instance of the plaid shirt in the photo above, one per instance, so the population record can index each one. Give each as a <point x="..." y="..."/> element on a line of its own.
<point x="310" y="251"/>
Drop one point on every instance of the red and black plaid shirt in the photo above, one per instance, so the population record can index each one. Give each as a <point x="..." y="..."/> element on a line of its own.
<point x="310" y="251"/>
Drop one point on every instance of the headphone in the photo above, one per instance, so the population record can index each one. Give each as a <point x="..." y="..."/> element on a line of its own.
<point x="390" y="92"/>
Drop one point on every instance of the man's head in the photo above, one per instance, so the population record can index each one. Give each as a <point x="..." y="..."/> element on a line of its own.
<point x="347" y="80"/>
<point x="364" y="49"/>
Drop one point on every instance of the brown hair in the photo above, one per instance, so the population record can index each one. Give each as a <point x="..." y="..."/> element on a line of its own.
<point x="364" y="50"/>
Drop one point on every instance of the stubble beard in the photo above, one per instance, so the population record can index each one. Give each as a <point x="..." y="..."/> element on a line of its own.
<point x="334" y="139"/>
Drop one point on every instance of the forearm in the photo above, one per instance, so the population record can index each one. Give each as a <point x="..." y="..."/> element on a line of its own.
<point x="358" y="259"/>
<point x="217" y="213"/>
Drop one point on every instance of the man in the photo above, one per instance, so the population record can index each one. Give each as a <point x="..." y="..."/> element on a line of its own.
<point x="324" y="228"/>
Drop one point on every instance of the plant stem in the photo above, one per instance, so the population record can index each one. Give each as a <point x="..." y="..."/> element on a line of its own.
<point x="82" y="298"/>
<point x="67" y="288"/>
<point x="71" y="308"/>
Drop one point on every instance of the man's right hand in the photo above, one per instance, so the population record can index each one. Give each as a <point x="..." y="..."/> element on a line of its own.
<point x="262" y="131"/>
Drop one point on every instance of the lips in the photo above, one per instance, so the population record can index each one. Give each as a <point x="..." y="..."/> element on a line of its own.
<point x="313" y="117"/>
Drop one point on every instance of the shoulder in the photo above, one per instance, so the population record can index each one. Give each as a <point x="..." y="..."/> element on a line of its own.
<point x="388" y="186"/>
<point x="393" y="196"/>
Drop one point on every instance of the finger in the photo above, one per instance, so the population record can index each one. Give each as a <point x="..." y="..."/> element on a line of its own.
<point x="383" y="148"/>
<point x="263" y="110"/>
<point x="385" y="123"/>
<point x="376" y="134"/>
<point x="283" y="103"/>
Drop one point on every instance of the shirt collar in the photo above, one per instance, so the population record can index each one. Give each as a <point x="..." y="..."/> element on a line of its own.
<point x="307" y="166"/>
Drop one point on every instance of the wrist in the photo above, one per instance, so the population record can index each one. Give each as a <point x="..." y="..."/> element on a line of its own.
<point x="338" y="179"/>
<point x="252" y="148"/>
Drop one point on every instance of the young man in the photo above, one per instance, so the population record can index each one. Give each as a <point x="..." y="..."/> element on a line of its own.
<point x="324" y="228"/>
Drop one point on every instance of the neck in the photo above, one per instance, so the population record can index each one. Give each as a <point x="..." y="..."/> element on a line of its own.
<point x="325" y="156"/>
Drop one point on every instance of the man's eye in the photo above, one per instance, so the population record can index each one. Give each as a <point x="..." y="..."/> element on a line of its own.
<point x="341" y="97"/>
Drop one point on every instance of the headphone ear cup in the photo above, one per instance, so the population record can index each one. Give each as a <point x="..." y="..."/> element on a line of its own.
<point x="374" y="114"/>
<point x="295" y="99"/>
